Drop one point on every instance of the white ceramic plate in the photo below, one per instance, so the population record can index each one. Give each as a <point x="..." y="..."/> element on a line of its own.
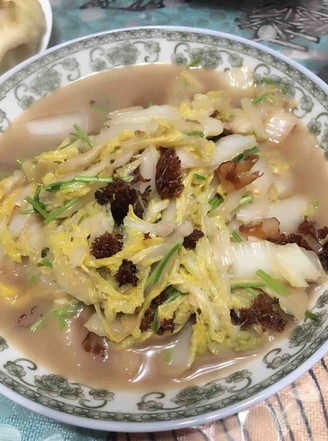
<point x="45" y="392"/>
<point x="45" y="4"/>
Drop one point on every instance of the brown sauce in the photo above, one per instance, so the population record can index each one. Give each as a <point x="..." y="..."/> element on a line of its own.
<point x="61" y="351"/>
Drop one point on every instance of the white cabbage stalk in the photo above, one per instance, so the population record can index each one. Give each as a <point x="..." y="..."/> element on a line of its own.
<point x="283" y="185"/>
<point x="219" y="239"/>
<point x="177" y="359"/>
<point x="230" y="204"/>
<point x="254" y="212"/>
<point x="58" y="126"/>
<point x="295" y="304"/>
<point x="154" y="209"/>
<point x="230" y="146"/>
<point x="226" y="148"/>
<point x="169" y="214"/>
<point x="211" y="126"/>
<point x="188" y="159"/>
<point x="241" y="123"/>
<point x="260" y="187"/>
<point x="165" y="228"/>
<point x="239" y="78"/>
<point x="94" y="324"/>
<point x="289" y="212"/>
<point x="148" y="161"/>
<point x="279" y="125"/>
<point x="255" y="116"/>
<point x="18" y="223"/>
<point x="97" y="224"/>
<point x="288" y="263"/>
<point x="145" y="120"/>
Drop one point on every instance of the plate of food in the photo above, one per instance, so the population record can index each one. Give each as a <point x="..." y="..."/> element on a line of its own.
<point x="163" y="228"/>
<point x="25" y="29"/>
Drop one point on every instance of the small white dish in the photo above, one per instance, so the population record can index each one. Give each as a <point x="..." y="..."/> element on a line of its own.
<point x="46" y="7"/>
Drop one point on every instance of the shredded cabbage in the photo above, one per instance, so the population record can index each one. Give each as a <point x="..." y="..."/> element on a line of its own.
<point x="49" y="219"/>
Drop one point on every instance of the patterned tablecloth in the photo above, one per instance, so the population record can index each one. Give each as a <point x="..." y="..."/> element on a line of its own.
<point x="297" y="28"/>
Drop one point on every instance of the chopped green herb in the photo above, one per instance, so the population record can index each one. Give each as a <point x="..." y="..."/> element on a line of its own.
<point x="68" y="144"/>
<point x="200" y="177"/>
<point x="154" y="324"/>
<point x="236" y="236"/>
<point x="37" y="325"/>
<point x="316" y="204"/>
<point x="312" y="316"/>
<point x="38" y="207"/>
<point x="259" y="99"/>
<point x="247" y="285"/>
<point x="80" y="133"/>
<point x="252" y="292"/>
<point x="268" y="80"/>
<point x="63" y="314"/>
<point x="245" y="154"/>
<point x="37" y="193"/>
<point x="169" y="354"/>
<point x="187" y="83"/>
<point x="149" y="104"/>
<point x="216" y="201"/>
<point x="172" y="294"/>
<point x="46" y="262"/>
<point x="156" y="273"/>
<point x="197" y="61"/>
<point x="35" y="277"/>
<point x="247" y="199"/>
<point x="66" y="313"/>
<point x="20" y="162"/>
<point x="100" y="109"/>
<point x="60" y="185"/>
<point x="60" y="210"/>
<point x="276" y="286"/>
<point x="198" y="133"/>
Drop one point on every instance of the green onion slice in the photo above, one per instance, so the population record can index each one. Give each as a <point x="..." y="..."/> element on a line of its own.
<point x="236" y="236"/>
<point x="196" y="133"/>
<point x="216" y="201"/>
<point x="156" y="273"/>
<point x="276" y="286"/>
<point x="60" y="210"/>
<point x="237" y="285"/>
<point x="195" y="62"/>
<point x="200" y="177"/>
<point x="80" y="133"/>
<point x="311" y="315"/>
<point x="245" y="154"/>
<point x="260" y="98"/>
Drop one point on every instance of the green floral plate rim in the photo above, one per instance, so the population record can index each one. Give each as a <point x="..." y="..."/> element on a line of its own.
<point x="45" y="392"/>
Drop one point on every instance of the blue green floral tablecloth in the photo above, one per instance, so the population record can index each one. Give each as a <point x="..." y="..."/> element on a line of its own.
<point x="299" y="29"/>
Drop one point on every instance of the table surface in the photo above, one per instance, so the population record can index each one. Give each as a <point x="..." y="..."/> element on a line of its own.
<point x="299" y="412"/>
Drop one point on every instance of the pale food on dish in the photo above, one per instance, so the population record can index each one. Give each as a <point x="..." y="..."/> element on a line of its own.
<point x="22" y="25"/>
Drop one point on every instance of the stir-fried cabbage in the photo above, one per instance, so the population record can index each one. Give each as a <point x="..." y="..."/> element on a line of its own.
<point x="143" y="222"/>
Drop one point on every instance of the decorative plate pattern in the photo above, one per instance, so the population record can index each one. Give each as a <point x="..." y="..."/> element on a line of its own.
<point x="108" y="408"/>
